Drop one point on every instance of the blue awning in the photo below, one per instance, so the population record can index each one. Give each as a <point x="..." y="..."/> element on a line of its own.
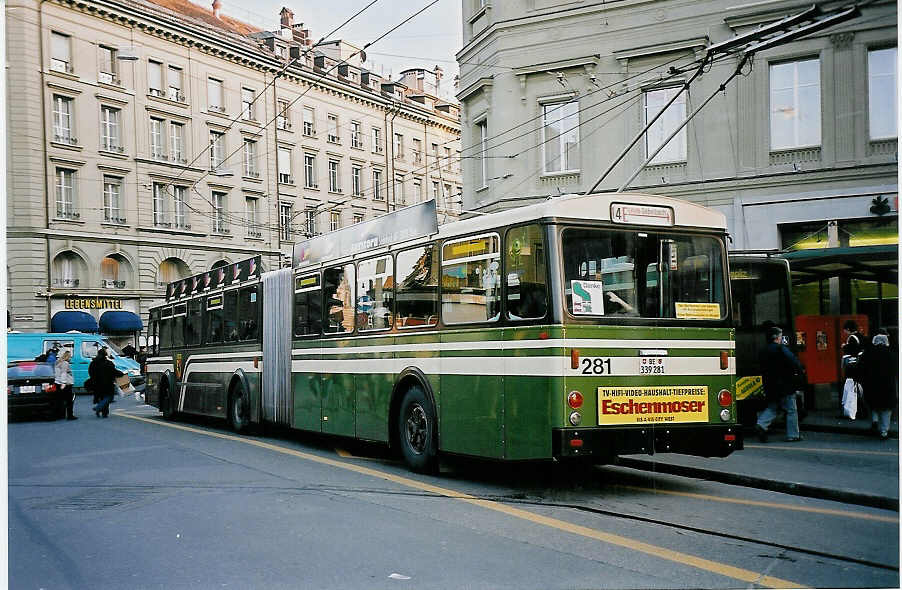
<point x="64" y="321"/>
<point x="112" y="322"/>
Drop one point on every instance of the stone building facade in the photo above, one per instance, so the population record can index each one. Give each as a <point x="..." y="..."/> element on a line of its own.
<point x="798" y="151"/>
<point x="152" y="140"/>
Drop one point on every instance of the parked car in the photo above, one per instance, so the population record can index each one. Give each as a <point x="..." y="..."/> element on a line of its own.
<point x="84" y="347"/>
<point x="30" y="388"/>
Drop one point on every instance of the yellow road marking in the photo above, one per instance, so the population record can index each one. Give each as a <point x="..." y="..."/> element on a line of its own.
<point x="829" y="511"/>
<point x="625" y="542"/>
<point x="795" y="447"/>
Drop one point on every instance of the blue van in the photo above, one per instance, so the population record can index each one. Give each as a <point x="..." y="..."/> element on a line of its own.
<point x="84" y="347"/>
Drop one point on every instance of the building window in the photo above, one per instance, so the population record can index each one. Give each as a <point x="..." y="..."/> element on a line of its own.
<point x="157" y="143"/>
<point x="358" y="218"/>
<point x="180" y="206"/>
<point x="377" y="185"/>
<point x="155" y="78"/>
<point x="673" y="117"/>
<point x="334" y="220"/>
<point x="356" y="189"/>
<point x="285" y="221"/>
<point x="795" y="104"/>
<point x="447" y="158"/>
<point x="435" y="155"/>
<point x="160" y="208"/>
<point x="174" y="79"/>
<point x="284" y="163"/>
<point x="334" y="177"/>
<point x="60" y="52"/>
<point x="62" y="119"/>
<point x="283" y="119"/>
<point x="399" y="190"/>
<point x="482" y="169"/>
<point x="309" y="122"/>
<point x="417" y="151"/>
<point x="110" y="139"/>
<point x="447" y="196"/>
<point x="250" y="158"/>
<point x="250" y="215"/>
<point x="247" y="104"/>
<point x="217" y="149"/>
<point x="107" y="72"/>
<point x="310" y="171"/>
<point x="311" y="223"/>
<point x="417" y="190"/>
<point x="112" y="188"/>
<point x="560" y="146"/>
<point x="65" y="194"/>
<point x="219" y="211"/>
<point x="177" y="142"/>
<point x="399" y="146"/>
<point x="333" y="129"/>
<point x="214" y="96"/>
<point x="435" y="193"/>
<point x="356" y="137"/>
<point x="377" y="140"/>
<point x="883" y="93"/>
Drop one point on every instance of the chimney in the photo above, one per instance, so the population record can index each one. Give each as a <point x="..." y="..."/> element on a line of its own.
<point x="216" y="6"/>
<point x="286" y="18"/>
<point x="438" y="76"/>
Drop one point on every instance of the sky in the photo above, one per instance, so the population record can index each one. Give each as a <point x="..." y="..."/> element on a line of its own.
<point x="430" y="39"/>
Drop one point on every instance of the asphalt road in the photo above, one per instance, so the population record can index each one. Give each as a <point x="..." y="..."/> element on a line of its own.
<point x="136" y="502"/>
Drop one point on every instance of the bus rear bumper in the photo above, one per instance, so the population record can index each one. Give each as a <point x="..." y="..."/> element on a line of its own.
<point x="605" y="443"/>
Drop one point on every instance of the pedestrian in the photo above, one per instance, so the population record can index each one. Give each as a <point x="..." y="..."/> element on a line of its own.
<point x="877" y="368"/>
<point x="854" y="343"/>
<point x="62" y="376"/>
<point x="780" y="368"/>
<point x="129" y="351"/>
<point x="103" y="377"/>
<point x="853" y="340"/>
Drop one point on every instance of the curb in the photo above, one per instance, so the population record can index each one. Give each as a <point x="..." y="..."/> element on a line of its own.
<point x="796" y="489"/>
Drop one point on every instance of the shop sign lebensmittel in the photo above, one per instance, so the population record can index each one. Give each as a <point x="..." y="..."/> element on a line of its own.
<point x="92" y="303"/>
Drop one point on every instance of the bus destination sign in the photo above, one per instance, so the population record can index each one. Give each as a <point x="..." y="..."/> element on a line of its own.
<point x="216" y="278"/>
<point x="400" y="226"/>
<point x="641" y="214"/>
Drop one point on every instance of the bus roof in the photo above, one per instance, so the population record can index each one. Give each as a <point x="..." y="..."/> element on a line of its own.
<point x="593" y="207"/>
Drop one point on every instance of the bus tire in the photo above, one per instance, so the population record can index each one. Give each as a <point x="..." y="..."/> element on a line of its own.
<point x="167" y="403"/>
<point x="239" y="413"/>
<point x="417" y="432"/>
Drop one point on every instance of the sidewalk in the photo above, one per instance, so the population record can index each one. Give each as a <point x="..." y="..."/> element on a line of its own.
<point x="838" y="460"/>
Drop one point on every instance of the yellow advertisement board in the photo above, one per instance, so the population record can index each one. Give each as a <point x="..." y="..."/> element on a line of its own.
<point x="643" y="405"/>
<point x="748" y="386"/>
<point x="697" y="311"/>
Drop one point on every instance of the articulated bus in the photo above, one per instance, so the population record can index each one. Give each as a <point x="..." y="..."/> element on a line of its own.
<point x="582" y="327"/>
<point x="761" y="288"/>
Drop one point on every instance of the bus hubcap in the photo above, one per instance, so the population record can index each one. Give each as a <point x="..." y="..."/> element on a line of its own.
<point x="416" y="429"/>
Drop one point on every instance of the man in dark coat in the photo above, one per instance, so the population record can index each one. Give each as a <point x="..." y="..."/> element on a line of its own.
<point x="779" y="367"/>
<point x="877" y="369"/>
<point x="103" y="377"/>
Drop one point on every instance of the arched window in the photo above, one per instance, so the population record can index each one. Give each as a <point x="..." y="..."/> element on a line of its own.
<point x="172" y="269"/>
<point x="219" y="263"/>
<point x="115" y="272"/>
<point x="69" y="270"/>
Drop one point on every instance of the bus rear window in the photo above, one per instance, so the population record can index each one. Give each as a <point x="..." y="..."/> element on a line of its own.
<point x="640" y="274"/>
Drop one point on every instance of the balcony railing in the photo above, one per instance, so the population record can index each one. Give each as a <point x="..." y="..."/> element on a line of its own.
<point x="216" y="109"/>
<point x="58" y="65"/>
<point x="65" y="139"/>
<point x="108" y="78"/>
<point x="115" y="219"/>
<point x="156" y="92"/>
<point x="112" y="284"/>
<point x="175" y="95"/>
<point x="109" y="147"/>
<point x="255" y="174"/>
<point x="254" y="233"/>
<point x="283" y="124"/>
<point x="285" y="178"/>
<point x="157" y="155"/>
<point x="67" y="214"/>
<point x="179" y="160"/>
<point x="66" y="282"/>
<point x="333" y="138"/>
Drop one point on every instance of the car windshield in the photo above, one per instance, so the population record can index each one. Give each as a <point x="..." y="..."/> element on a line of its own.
<point x="643" y="274"/>
<point x="28" y="370"/>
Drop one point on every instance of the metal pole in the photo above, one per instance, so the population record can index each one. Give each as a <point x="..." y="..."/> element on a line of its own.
<point x="685" y="122"/>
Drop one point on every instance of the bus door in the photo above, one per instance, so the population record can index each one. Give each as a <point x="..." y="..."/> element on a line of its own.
<point x="306" y="384"/>
<point x="339" y="395"/>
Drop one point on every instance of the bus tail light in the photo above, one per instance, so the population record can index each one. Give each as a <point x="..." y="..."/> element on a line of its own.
<point x="574" y="358"/>
<point x="575" y="400"/>
<point x="576" y="443"/>
<point x="729" y="437"/>
<point x="725" y="398"/>
<point x="724" y="360"/>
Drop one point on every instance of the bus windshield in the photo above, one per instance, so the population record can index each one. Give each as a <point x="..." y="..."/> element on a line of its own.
<point x="760" y="293"/>
<point x="617" y="273"/>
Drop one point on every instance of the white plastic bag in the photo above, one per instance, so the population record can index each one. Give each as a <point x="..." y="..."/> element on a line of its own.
<point x="850" y="399"/>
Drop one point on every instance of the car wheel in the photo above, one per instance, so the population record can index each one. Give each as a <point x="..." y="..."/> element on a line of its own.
<point x="417" y="431"/>
<point x="239" y="413"/>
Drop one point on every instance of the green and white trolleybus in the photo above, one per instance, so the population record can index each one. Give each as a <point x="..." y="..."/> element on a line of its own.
<point x="580" y="327"/>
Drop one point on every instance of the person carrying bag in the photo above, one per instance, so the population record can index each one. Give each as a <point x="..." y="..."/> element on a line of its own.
<point x="779" y="367"/>
<point x="62" y="376"/>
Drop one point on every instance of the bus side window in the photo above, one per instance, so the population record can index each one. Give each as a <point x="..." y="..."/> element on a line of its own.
<point x="213" y="320"/>
<point x="338" y="296"/>
<point x="247" y="313"/>
<point x="308" y="305"/>
<point x="416" y="287"/>
<point x="527" y="293"/>
<point x="230" y="316"/>
<point x="153" y="343"/>
<point x="179" y="312"/>
<point x="375" y="296"/>
<point x="194" y="323"/>
<point x="471" y="280"/>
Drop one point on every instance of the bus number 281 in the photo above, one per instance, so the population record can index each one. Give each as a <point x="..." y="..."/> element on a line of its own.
<point x="595" y="366"/>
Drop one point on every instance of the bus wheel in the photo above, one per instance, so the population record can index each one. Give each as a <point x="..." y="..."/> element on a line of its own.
<point x="167" y="403"/>
<point x="417" y="431"/>
<point x="239" y="416"/>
